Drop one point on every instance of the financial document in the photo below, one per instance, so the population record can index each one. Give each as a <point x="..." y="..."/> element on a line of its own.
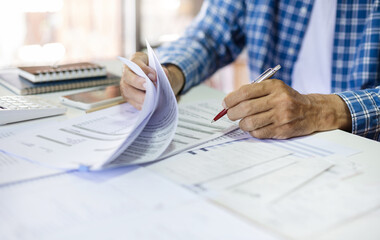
<point x="206" y="165"/>
<point x="123" y="203"/>
<point x="237" y="157"/>
<point x="310" y="211"/>
<point x="14" y="170"/>
<point x="193" y="129"/>
<point x="120" y="135"/>
<point x="300" y="147"/>
<point x="274" y="182"/>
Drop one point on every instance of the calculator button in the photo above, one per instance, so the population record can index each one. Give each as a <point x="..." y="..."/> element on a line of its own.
<point x="20" y="108"/>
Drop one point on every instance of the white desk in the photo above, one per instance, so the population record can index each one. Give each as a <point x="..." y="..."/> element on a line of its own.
<point x="366" y="227"/>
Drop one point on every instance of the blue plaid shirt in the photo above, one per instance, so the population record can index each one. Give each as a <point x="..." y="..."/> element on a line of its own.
<point x="272" y="32"/>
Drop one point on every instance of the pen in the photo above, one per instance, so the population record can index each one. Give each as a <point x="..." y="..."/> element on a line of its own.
<point x="265" y="75"/>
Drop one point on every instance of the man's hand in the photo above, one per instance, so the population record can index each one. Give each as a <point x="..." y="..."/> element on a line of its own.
<point x="271" y="109"/>
<point x="133" y="86"/>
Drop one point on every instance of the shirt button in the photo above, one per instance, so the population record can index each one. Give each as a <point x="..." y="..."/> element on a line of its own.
<point x="303" y="10"/>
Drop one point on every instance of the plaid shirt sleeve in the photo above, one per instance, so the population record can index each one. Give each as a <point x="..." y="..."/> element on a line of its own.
<point x="364" y="106"/>
<point x="212" y="41"/>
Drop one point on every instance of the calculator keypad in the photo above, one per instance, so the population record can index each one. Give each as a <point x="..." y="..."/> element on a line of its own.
<point x="24" y="103"/>
<point x="21" y="108"/>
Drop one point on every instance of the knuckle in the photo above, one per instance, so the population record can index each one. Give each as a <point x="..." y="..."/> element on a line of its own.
<point x="249" y="123"/>
<point x="228" y="100"/>
<point x="138" y="56"/>
<point x="140" y="59"/>
<point x="284" y="132"/>
<point x="246" y="108"/>
<point x="285" y="98"/>
<point x="231" y="115"/>
<point x="245" y="91"/>
<point x="279" y="84"/>
<point x="260" y="133"/>
<point x="243" y="125"/>
<point x="286" y="117"/>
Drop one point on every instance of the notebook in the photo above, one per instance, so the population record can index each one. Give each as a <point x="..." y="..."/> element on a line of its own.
<point x="62" y="72"/>
<point x="21" y="86"/>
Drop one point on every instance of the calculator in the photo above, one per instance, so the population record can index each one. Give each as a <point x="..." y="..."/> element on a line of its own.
<point x="21" y="108"/>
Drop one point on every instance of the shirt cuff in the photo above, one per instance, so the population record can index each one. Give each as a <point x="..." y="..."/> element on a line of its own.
<point x="365" y="113"/>
<point x="183" y="63"/>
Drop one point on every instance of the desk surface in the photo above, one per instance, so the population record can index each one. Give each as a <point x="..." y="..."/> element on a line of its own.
<point x="365" y="227"/>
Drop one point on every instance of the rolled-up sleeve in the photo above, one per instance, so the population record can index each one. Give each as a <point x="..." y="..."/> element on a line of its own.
<point x="212" y="41"/>
<point x="364" y="106"/>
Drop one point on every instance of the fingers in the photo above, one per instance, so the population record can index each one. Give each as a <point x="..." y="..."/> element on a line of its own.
<point x="141" y="59"/>
<point x="253" y="122"/>
<point x="272" y="109"/>
<point x="132" y="95"/>
<point x="249" y="107"/>
<point x="130" y="78"/>
<point x="249" y="91"/>
<point x="133" y="86"/>
<point x="285" y="131"/>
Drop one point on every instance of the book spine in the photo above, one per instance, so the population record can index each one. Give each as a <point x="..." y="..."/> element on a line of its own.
<point x="70" y="86"/>
<point x="65" y="75"/>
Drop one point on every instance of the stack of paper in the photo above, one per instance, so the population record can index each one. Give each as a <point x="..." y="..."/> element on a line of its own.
<point x="294" y="187"/>
<point x="123" y="203"/>
<point x="119" y="135"/>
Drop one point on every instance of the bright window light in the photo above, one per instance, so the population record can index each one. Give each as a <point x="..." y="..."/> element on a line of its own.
<point x="171" y="5"/>
<point x="34" y="5"/>
<point x="50" y="53"/>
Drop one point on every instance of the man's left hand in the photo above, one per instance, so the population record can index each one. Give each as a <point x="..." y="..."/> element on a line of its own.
<point x="271" y="109"/>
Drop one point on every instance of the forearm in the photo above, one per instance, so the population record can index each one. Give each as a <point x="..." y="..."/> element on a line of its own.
<point x="176" y="78"/>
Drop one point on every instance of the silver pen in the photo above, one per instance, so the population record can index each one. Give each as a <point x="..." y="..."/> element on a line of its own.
<point x="267" y="74"/>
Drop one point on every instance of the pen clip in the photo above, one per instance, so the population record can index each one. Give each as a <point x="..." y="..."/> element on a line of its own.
<point x="261" y="75"/>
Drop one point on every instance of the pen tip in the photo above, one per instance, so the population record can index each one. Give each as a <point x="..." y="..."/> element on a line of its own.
<point x="212" y="121"/>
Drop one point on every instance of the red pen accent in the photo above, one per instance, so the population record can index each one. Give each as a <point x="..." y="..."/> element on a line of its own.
<point x="221" y="114"/>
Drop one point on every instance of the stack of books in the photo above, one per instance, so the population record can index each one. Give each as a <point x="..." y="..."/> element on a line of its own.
<point x="43" y="79"/>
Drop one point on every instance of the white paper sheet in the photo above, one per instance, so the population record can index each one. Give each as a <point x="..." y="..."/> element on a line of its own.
<point x="310" y="211"/>
<point x="159" y="130"/>
<point x="124" y="203"/>
<point x="278" y="184"/>
<point x="198" y="168"/>
<point x="301" y="147"/>
<point x="14" y="170"/>
<point x="298" y="201"/>
<point x="88" y="140"/>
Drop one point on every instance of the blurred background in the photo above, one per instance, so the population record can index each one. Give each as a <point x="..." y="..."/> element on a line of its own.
<point x="48" y="32"/>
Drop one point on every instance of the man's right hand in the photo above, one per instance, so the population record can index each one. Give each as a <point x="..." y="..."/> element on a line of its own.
<point x="133" y="86"/>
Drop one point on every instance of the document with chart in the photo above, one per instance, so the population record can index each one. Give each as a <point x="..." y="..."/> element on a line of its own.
<point x="298" y="187"/>
<point x="120" y="135"/>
